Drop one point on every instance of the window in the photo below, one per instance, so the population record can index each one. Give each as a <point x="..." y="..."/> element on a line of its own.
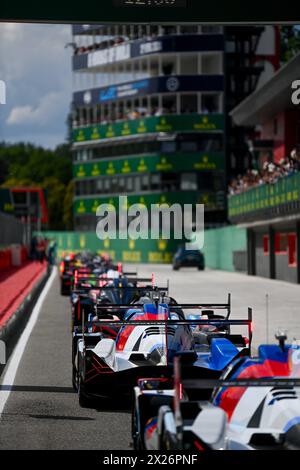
<point x="168" y="146"/>
<point x="189" y="103"/>
<point x="207" y="29"/>
<point x="145" y="182"/>
<point x="266" y="244"/>
<point x="99" y="186"/>
<point x="155" y="181"/>
<point x="189" y="182"/>
<point x="122" y="185"/>
<point x="211" y="64"/>
<point x="193" y="29"/>
<point x="106" y="185"/>
<point x="137" y="184"/>
<point x="188" y="146"/>
<point x="281" y="243"/>
<point x="210" y="103"/>
<point x="292" y="249"/>
<point x="129" y="184"/>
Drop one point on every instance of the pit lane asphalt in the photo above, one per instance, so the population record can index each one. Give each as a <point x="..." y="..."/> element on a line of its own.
<point x="42" y="411"/>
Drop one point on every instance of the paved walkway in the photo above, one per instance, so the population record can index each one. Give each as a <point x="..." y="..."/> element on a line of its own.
<point x="15" y="285"/>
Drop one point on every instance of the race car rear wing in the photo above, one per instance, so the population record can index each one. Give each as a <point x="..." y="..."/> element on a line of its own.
<point x="219" y="322"/>
<point x="78" y="287"/>
<point x="280" y="382"/>
<point x="183" y="306"/>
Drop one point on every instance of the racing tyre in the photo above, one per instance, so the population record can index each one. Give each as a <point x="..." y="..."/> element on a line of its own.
<point x="84" y="401"/>
<point x="74" y="379"/>
<point x="135" y="434"/>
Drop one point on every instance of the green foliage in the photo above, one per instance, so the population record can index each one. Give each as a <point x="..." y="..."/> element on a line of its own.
<point x="68" y="207"/>
<point x="25" y="164"/>
<point x="290" y="42"/>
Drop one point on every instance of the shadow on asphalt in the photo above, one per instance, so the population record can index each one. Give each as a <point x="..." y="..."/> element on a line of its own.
<point x="115" y="405"/>
<point x="63" y="418"/>
<point x="36" y="388"/>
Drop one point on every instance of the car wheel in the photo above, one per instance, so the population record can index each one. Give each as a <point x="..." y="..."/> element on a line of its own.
<point x="84" y="401"/>
<point x="74" y="379"/>
<point x="135" y="433"/>
<point x="176" y="268"/>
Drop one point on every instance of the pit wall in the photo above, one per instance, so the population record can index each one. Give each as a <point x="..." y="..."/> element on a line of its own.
<point x="225" y="249"/>
<point x="222" y="247"/>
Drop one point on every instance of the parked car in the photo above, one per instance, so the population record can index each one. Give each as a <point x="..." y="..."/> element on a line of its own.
<point x="190" y="258"/>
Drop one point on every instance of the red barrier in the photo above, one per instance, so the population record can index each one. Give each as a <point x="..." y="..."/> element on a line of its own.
<point x="24" y="254"/>
<point x="5" y="259"/>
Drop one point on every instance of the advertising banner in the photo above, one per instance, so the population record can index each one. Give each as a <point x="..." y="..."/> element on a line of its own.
<point x="151" y="163"/>
<point x="153" y="124"/>
<point x="171" y="84"/>
<point x="285" y="190"/>
<point x="212" y="201"/>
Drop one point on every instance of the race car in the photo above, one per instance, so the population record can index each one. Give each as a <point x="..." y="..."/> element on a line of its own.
<point x="92" y="293"/>
<point x="265" y="416"/>
<point x="84" y="263"/>
<point x="150" y="334"/>
<point x="255" y="405"/>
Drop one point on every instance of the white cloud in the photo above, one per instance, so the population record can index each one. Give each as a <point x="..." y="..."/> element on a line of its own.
<point x="37" y="70"/>
<point x="47" y="110"/>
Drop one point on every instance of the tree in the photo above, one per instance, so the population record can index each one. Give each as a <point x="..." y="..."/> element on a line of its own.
<point x="68" y="207"/>
<point x="290" y="42"/>
<point x="24" y="164"/>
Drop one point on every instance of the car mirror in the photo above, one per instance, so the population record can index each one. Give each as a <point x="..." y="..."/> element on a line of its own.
<point x="210" y="427"/>
<point x="105" y="348"/>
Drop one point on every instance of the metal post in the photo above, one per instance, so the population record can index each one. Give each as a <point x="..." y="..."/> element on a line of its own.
<point x="251" y="252"/>
<point x="272" y="253"/>
<point x="298" y="250"/>
<point x="267" y="318"/>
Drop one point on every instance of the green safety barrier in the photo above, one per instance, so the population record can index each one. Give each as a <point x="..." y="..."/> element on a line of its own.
<point x="130" y="251"/>
<point x="266" y="196"/>
<point x="168" y="123"/>
<point x="84" y="206"/>
<point x="219" y="246"/>
<point x="151" y="163"/>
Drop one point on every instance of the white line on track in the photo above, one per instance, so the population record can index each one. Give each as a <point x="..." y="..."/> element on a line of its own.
<point x="13" y="364"/>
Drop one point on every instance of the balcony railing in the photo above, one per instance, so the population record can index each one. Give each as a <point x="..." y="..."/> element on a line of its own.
<point x="153" y="124"/>
<point x="212" y="201"/>
<point x="266" y="201"/>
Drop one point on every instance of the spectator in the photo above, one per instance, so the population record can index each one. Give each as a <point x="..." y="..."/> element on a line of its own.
<point x="270" y="173"/>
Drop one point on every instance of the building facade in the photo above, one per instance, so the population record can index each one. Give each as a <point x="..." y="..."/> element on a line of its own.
<point x="148" y="117"/>
<point x="271" y="212"/>
<point x="149" y="114"/>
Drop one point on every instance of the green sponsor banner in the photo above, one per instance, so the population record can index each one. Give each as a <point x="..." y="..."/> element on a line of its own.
<point x="86" y="206"/>
<point x="168" y="123"/>
<point x="151" y="163"/>
<point x="265" y="197"/>
<point x="127" y="251"/>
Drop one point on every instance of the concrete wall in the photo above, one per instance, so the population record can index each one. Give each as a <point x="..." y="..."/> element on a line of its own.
<point x="221" y="244"/>
<point x="262" y="261"/>
<point x="283" y="271"/>
<point x="11" y="230"/>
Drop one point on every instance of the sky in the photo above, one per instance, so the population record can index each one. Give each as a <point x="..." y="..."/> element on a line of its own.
<point x="36" y="68"/>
